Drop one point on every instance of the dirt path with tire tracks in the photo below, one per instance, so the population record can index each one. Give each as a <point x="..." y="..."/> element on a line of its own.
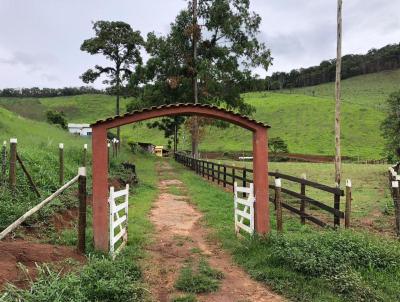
<point x="180" y="237"/>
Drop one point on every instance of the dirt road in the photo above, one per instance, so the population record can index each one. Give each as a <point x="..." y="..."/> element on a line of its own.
<point x="180" y="238"/>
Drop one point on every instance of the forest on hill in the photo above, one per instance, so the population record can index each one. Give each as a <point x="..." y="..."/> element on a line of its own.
<point x="375" y="60"/>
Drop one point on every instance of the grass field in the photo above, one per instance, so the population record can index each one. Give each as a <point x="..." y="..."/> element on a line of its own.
<point x="304" y="263"/>
<point x="304" y="121"/>
<point x="372" y="205"/>
<point x="370" y="90"/>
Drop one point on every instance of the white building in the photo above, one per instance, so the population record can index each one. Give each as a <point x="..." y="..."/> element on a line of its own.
<point x="81" y="129"/>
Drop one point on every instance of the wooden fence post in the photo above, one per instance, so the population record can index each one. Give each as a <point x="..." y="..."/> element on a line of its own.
<point x="348" y="204"/>
<point x="108" y="155"/>
<point x="303" y="201"/>
<point x="202" y="167"/>
<point x="233" y="173"/>
<point x="396" y="200"/>
<point x="13" y="162"/>
<point x="3" y="162"/>
<point x="224" y="176"/>
<point x="336" y="205"/>
<point x="82" y="210"/>
<point x="278" y="201"/>
<point x="84" y="155"/>
<point x="244" y="179"/>
<point x="208" y="170"/>
<point x="29" y="177"/>
<point x="219" y="172"/>
<point x="212" y="167"/>
<point x="61" y="160"/>
<point x="113" y="147"/>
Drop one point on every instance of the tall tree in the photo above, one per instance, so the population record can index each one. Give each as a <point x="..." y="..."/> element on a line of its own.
<point x="391" y="126"/>
<point x="338" y="159"/>
<point x="120" y="44"/>
<point x="227" y="48"/>
<point x="195" y="125"/>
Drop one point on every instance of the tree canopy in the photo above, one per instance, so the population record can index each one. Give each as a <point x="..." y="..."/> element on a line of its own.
<point x="391" y="125"/>
<point x="226" y="32"/>
<point x="118" y="43"/>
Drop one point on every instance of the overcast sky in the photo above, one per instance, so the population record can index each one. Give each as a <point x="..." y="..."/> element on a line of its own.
<point x="40" y="39"/>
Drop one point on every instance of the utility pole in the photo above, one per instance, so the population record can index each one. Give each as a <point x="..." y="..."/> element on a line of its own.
<point x="195" y="124"/>
<point x="195" y="33"/>
<point x="338" y="93"/>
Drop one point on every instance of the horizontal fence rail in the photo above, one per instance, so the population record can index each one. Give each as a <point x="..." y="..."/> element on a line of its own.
<point x="227" y="175"/>
<point x="36" y="208"/>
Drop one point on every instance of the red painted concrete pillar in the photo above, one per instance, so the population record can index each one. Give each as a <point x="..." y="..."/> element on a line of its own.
<point x="260" y="179"/>
<point x="100" y="188"/>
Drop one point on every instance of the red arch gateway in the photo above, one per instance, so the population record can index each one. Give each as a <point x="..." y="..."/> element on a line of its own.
<point x="100" y="159"/>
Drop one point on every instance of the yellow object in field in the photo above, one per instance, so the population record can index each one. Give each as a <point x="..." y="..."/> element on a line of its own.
<point x="158" y="150"/>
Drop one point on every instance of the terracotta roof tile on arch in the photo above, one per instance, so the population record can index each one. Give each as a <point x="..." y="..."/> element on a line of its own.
<point x="180" y="105"/>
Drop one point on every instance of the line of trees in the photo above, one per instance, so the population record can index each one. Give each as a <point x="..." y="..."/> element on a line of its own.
<point x="48" y="92"/>
<point x="375" y="60"/>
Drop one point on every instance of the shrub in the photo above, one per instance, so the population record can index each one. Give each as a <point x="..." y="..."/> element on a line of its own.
<point x="57" y="118"/>
<point x="339" y="258"/>
<point x="100" y="280"/>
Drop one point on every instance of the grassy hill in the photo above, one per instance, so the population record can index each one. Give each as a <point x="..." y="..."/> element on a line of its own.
<point x="370" y="90"/>
<point x="38" y="148"/>
<point x="302" y="117"/>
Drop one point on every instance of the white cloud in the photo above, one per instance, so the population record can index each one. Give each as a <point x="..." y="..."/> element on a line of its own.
<point x="40" y="40"/>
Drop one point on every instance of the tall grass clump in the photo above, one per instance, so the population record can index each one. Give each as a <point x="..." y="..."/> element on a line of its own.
<point x="102" y="279"/>
<point x="353" y="266"/>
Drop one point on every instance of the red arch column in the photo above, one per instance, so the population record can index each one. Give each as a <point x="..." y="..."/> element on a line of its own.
<point x="100" y="161"/>
<point x="100" y="188"/>
<point x="260" y="179"/>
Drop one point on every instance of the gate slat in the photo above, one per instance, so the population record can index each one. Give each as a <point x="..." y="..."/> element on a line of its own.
<point x="118" y="237"/>
<point x="117" y="221"/>
<point x="243" y="214"/>
<point x="247" y="212"/>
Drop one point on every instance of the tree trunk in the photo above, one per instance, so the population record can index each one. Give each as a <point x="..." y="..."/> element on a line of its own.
<point x="338" y="94"/>
<point x="117" y="111"/>
<point x="175" y="139"/>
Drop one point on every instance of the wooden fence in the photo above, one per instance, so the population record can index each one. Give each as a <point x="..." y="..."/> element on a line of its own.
<point x="227" y="175"/>
<point x="394" y="179"/>
<point x="80" y="178"/>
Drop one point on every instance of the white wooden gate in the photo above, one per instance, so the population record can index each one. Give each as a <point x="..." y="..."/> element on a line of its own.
<point x="244" y="209"/>
<point x="118" y="221"/>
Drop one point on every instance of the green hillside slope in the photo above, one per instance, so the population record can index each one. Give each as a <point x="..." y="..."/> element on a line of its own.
<point x="367" y="90"/>
<point x="38" y="148"/>
<point x="302" y="117"/>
